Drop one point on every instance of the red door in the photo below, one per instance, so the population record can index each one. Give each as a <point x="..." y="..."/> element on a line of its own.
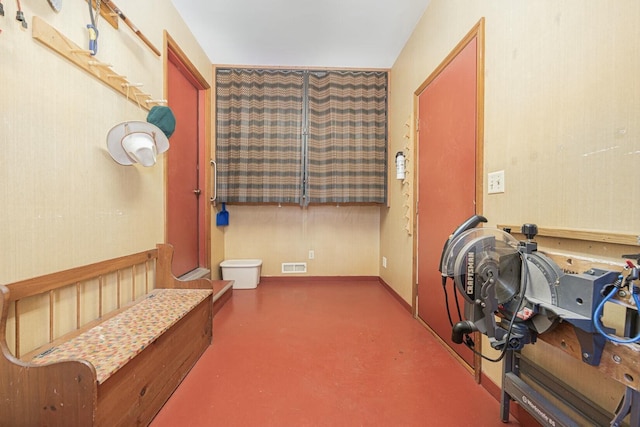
<point x="447" y="113"/>
<point x="182" y="165"/>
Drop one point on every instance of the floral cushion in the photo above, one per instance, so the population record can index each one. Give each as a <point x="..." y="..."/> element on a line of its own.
<point x="111" y="344"/>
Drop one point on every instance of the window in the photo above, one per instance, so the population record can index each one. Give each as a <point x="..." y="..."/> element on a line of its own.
<point x="294" y="136"/>
<point x="259" y="136"/>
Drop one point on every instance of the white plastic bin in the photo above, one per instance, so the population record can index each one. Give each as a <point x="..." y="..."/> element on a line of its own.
<point x="244" y="272"/>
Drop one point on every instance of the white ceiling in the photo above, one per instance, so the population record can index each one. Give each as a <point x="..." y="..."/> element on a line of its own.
<point x="321" y="33"/>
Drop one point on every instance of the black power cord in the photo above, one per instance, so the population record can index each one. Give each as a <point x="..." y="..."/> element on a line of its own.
<point x="446" y="298"/>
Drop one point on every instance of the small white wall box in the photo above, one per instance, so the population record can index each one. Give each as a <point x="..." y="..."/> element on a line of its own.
<point x="244" y="272"/>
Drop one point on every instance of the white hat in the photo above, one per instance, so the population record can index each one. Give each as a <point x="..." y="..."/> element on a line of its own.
<point x="136" y="142"/>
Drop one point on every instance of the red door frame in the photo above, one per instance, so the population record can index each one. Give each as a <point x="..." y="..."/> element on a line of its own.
<point x="204" y="149"/>
<point x="476" y="34"/>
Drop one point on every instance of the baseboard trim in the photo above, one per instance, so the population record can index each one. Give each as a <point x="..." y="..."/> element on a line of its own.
<point x="397" y="296"/>
<point x="302" y="279"/>
<point x="315" y="279"/>
<point x="524" y="418"/>
<point x="491" y="387"/>
<point x="198" y="273"/>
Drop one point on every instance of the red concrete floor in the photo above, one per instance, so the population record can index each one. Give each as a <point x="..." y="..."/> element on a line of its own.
<point x="334" y="353"/>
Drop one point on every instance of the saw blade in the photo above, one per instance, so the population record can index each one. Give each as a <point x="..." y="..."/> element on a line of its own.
<point x="492" y="266"/>
<point x="501" y="264"/>
<point x="508" y="282"/>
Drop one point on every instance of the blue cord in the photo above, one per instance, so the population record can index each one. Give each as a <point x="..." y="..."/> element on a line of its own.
<point x="597" y="314"/>
<point x="93" y="39"/>
<point x="93" y="29"/>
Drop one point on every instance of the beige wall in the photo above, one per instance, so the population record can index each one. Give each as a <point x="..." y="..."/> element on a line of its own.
<point x="345" y="239"/>
<point x="562" y="118"/>
<point x="65" y="202"/>
<point x="561" y="113"/>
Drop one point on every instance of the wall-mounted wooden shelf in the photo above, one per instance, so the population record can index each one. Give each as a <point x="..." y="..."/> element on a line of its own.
<point x="588" y="235"/>
<point x="57" y="42"/>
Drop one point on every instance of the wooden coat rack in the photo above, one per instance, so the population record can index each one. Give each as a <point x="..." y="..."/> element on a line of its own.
<point x="56" y="41"/>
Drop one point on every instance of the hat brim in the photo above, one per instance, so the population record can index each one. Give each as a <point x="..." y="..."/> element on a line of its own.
<point x="119" y="131"/>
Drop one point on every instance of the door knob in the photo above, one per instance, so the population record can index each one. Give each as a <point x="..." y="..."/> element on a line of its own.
<point x="196" y="191"/>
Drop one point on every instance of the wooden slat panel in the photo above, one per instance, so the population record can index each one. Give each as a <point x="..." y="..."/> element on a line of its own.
<point x="17" y="325"/>
<point x="133" y="282"/>
<point x="577" y="264"/>
<point x="118" y="279"/>
<point x="51" y="321"/>
<point x="78" y="306"/>
<point x="146" y="277"/>
<point x="588" y="235"/>
<point x="620" y="362"/>
<point x="101" y="285"/>
<point x="41" y="284"/>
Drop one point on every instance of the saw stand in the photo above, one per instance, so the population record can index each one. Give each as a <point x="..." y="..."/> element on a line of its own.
<point x="543" y="408"/>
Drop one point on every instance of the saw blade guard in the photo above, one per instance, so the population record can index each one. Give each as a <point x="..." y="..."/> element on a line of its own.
<point x="479" y="254"/>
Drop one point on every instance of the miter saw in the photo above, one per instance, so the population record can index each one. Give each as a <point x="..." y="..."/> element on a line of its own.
<point x="512" y="292"/>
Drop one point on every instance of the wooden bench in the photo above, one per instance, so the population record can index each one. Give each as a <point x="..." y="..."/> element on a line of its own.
<point x="117" y="367"/>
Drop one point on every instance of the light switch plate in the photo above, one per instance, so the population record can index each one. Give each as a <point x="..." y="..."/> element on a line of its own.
<point x="496" y="182"/>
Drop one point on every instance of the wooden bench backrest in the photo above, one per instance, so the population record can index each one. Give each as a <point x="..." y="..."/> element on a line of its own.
<point x="88" y="293"/>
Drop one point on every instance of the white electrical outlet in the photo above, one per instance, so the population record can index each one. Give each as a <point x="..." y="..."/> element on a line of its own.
<point x="496" y="182"/>
<point x="312" y="254"/>
<point x="384" y="261"/>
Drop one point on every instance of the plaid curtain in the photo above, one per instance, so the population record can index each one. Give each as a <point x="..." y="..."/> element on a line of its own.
<point x="294" y="136"/>
<point x="347" y="140"/>
<point x="259" y="135"/>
